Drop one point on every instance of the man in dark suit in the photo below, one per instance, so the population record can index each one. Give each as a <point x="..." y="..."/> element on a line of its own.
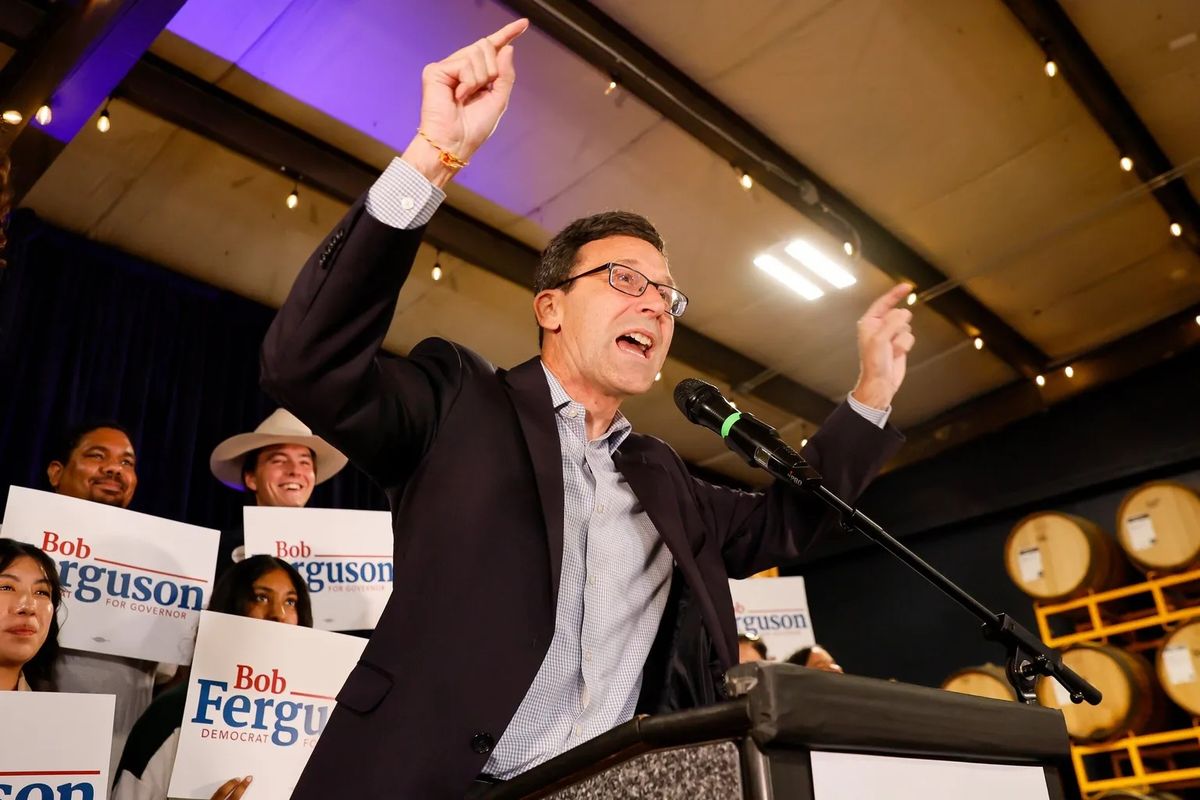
<point x="555" y="572"/>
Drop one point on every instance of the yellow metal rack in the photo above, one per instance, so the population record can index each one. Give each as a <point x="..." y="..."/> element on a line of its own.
<point x="1137" y="750"/>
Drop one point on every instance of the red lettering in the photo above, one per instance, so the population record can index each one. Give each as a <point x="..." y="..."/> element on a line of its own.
<point x="285" y="550"/>
<point x="52" y="543"/>
<point x="245" y="678"/>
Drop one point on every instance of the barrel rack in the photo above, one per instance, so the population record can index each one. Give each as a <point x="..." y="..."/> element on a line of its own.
<point x="1144" y="611"/>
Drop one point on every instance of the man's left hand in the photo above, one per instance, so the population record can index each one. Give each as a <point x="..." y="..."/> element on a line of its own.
<point x="885" y="338"/>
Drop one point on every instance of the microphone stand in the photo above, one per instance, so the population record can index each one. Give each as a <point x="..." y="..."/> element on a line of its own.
<point x="1028" y="657"/>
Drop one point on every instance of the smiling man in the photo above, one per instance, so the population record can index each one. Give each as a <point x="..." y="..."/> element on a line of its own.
<point x="556" y="572"/>
<point x="280" y="462"/>
<point x="96" y="461"/>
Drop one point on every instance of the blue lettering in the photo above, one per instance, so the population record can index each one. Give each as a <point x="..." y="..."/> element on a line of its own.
<point x="166" y="593"/>
<point x="143" y="588"/>
<point x="237" y="704"/>
<point x="207" y="700"/>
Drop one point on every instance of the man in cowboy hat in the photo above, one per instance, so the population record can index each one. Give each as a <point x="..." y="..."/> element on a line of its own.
<point x="281" y="462"/>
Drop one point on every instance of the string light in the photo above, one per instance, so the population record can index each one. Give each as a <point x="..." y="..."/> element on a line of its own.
<point x="848" y="248"/>
<point x="44" y="115"/>
<point x="1126" y="164"/>
<point x="978" y="343"/>
<point x="745" y="180"/>
<point x="612" y="87"/>
<point x="103" y="123"/>
<point x="804" y="442"/>
<point x="657" y="377"/>
<point x="1069" y="371"/>
<point x="1176" y="229"/>
<point x="912" y="298"/>
<point x="1041" y="380"/>
<point x="12" y="116"/>
<point x="293" y="199"/>
<point x="1051" y="68"/>
<point x="437" y="273"/>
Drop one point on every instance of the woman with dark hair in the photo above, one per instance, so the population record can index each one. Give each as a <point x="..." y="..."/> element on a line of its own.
<point x="262" y="587"/>
<point x="29" y="599"/>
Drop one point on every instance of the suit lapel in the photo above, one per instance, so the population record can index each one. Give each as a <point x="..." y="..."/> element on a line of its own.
<point x="530" y="395"/>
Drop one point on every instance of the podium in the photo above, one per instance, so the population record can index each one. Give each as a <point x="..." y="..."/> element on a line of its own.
<point x="791" y="733"/>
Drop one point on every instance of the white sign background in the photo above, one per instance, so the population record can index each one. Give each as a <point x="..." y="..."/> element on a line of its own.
<point x="853" y="776"/>
<point x="65" y="737"/>
<point x="775" y="609"/>
<point x="157" y="552"/>
<point x="333" y="540"/>
<point x="314" y="665"/>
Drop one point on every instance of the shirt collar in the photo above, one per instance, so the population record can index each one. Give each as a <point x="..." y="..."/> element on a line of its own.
<point x="618" y="430"/>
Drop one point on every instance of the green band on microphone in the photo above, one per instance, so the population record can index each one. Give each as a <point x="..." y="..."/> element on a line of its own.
<point x="729" y="422"/>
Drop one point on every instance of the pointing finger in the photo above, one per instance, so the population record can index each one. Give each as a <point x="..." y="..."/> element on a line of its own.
<point x="888" y="300"/>
<point x="508" y="33"/>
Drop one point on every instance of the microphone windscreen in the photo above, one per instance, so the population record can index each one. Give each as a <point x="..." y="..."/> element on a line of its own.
<point x="686" y="390"/>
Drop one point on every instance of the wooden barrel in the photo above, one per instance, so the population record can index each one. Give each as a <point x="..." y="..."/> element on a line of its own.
<point x="986" y="680"/>
<point x="1178" y="666"/>
<point x="1158" y="527"/>
<point x="1132" y="702"/>
<point x="1052" y="556"/>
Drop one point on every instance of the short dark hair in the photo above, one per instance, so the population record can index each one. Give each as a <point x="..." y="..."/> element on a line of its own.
<point x="800" y="657"/>
<point x="39" y="670"/>
<point x="235" y="589"/>
<point x="558" y="259"/>
<point x="758" y="644"/>
<point x="250" y="463"/>
<point x="70" y="438"/>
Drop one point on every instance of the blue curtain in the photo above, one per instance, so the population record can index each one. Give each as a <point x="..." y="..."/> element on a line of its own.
<point x="87" y="331"/>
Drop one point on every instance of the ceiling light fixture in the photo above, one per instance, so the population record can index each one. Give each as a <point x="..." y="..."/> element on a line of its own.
<point x="1176" y="229"/>
<point x="44" y="115"/>
<point x="1069" y="371"/>
<point x="911" y="299"/>
<point x="436" y="273"/>
<point x="1051" y="68"/>
<point x="293" y="199"/>
<point x="612" y="87"/>
<point x="823" y="266"/>
<point x="1041" y="380"/>
<point x="103" y="122"/>
<point x="848" y="248"/>
<point x="804" y="442"/>
<point x="12" y="116"/>
<point x="788" y="277"/>
<point x="1126" y="164"/>
<point x="657" y="377"/>
<point x="745" y="180"/>
<point x="978" y="343"/>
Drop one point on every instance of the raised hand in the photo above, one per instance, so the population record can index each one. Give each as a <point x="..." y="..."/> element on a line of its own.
<point x="885" y="338"/>
<point x="462" y="99"/>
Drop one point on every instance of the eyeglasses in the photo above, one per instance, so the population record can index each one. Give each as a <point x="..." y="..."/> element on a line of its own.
<point x="628" y="280"/>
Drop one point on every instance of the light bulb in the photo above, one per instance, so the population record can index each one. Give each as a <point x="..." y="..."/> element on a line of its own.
<point x="1051" y="68"/>
<point x="657" y="377"/>
<point x="293" y="199"/>
<point x="1069" y="372"/>
<point x="612" y="87"/>
<point x="978" y="343"/>
<point x="437" y="273"/>
<point x="44" y="115"/>
<point x="1176" y="229"/>
<point x="1126" y="163"/>
<point x="12" y="116"/>
<point x="746" y="181"/>
<point x="804" y="442"/>
<point x="103" y="123"/>
<point x="1041" y="380"/>
<point x="912" y="298"/>
<point x="848" y="248"/>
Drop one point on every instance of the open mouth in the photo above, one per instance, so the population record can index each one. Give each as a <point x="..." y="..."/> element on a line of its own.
<point x="635" y="343"/>
<point x="110" y="486"/>
<point x="291" y="487"/>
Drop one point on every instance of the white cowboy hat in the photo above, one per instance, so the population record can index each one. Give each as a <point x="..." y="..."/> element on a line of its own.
<point x="282" y="427"/>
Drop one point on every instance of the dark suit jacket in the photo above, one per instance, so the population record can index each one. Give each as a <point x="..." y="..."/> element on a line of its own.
<point x="469" y="457"/>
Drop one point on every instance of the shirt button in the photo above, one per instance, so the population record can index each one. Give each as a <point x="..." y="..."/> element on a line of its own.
<point x="599" y="509"/>
<point x="407" y="203"/>
<point x="579" y="730"/>
<point x="587" y="656"/>
<point x="571" y="413"/>
<point x="591" y="580"/>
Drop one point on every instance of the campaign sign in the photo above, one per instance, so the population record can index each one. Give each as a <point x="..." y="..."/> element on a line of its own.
<point x="259" y="695"/>
<point x="133" y="584"/>
<point x="344" y="556"/>
<point x="57" y="745"/>
<point x="775" y="609"/>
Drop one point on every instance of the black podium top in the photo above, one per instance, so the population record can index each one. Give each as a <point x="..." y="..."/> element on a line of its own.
<point x="781" y="706"/>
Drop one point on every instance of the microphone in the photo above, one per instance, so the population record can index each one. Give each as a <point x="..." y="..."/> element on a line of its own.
<point x="749" y="437"/>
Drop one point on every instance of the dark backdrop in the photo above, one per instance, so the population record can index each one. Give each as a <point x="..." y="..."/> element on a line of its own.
<point x="87" y="331"/>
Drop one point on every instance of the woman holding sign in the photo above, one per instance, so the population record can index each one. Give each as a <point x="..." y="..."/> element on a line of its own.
<point x="29" y="598"/>
<point x="261" y="587"/>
